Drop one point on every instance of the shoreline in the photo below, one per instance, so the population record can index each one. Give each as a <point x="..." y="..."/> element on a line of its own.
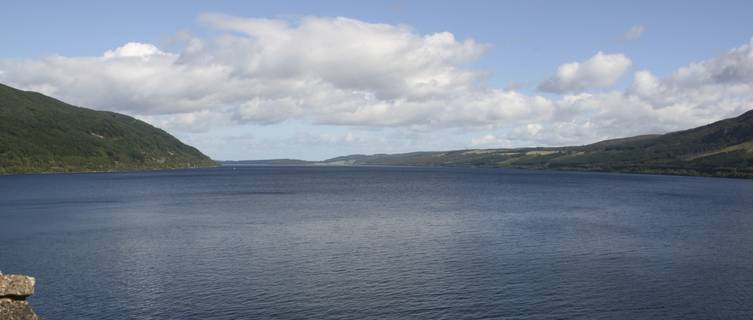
<point x="105" y="171"/>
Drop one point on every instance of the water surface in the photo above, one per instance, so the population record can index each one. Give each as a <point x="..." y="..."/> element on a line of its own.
<point x="380" y="243"/>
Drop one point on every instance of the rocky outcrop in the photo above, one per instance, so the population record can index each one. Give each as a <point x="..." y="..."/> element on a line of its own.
<point x="14" y="289"/>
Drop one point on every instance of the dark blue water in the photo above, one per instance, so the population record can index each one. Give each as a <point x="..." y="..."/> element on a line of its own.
<point x="380" y="243"/>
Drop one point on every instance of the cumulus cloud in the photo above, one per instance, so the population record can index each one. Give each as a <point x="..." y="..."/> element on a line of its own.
<point x="325" y="70"/>
<point x="693" y="95"/>
<point x="696" y="94"/>
<point x="134" y="49"/>
<point x="600" y="71"/>
<point x="722" y="85"/>
<point x="634" y="33"/>
<point x="346" y="72"/>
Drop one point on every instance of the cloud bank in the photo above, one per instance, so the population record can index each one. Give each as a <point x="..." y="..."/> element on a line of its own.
<point x="370" y="76"/>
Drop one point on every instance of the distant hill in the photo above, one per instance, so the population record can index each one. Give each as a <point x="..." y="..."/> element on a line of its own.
<point x="270" y="162"/>
<point x="723" y="148"/>
<point x="42" y="134"/>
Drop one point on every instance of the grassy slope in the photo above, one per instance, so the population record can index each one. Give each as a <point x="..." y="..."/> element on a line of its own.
<point x="42" y="134"/>
<point x="724" y="148"/>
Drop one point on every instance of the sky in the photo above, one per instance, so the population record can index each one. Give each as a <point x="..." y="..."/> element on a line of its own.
<point x="313" y="80"/>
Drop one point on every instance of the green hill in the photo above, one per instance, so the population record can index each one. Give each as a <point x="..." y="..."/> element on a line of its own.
<point x="42" y="134"/>
<point x="723" y="148"/>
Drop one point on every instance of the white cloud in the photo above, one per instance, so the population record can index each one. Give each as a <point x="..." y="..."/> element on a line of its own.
<point x="134" y="49"/>
<point x="702" y="91"/>
<point x="533" y="128"/>
<point x="600" y="71"/>
<point x="367" y="76"/>
<point x="324" y="70"/>
<point x="488" y="141"/>
<point x="634" y="33"/>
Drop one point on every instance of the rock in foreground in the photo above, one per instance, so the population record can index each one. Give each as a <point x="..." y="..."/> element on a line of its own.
<point x="14" y="289"/>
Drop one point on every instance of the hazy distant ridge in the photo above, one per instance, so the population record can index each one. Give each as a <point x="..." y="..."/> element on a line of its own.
<point x="723" y="148"/>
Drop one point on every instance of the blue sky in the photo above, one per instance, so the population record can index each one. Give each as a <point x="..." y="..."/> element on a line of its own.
<point x="517" y="46"/>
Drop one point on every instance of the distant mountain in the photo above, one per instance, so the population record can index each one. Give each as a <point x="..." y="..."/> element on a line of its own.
<point x="270" y="162"/>
<point x="723" y="148"/>
<point x="42" y="134"/>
